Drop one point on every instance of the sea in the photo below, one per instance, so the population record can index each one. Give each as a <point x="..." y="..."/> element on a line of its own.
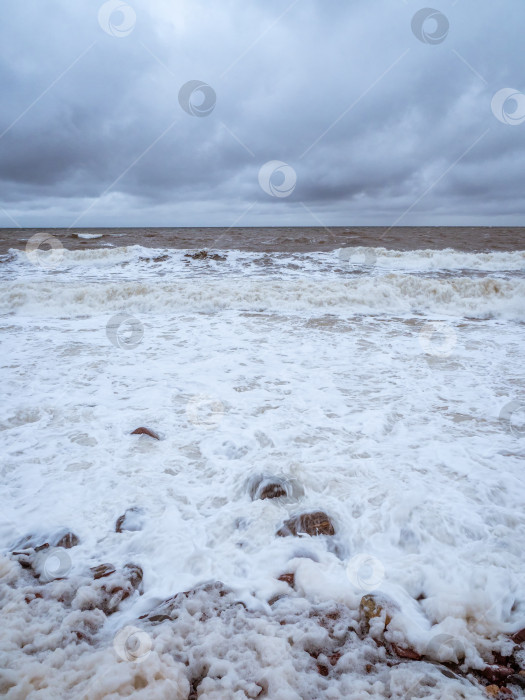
<point x="373" y="375"/>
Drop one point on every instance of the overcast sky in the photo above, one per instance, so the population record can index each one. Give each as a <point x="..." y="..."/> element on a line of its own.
<point x="381" y="116"/>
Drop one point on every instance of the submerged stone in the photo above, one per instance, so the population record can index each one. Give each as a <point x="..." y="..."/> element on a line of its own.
<point x="102" y="570"/>
<point x="130" y="521"/>
<point x="287" y="578"/>
<point x="146" y="431"/>
<point x="262" y="487"/>
<point x="67" y="541"/>
<point x="313" y="524"/>
<point x="372" y="606"/>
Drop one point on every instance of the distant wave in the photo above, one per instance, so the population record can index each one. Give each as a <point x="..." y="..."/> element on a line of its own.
<point x="423" y="260"/>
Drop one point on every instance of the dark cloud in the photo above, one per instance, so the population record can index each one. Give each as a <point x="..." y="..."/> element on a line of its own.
<point x="369" y="117"/>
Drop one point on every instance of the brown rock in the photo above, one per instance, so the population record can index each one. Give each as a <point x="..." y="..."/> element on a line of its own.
<point x="287" y="578"/>
<point x="496" y="692"/>
<point x="113" y="598"/>
<point x="322" y="669"/>
<point x="60" y="539"/>
<point x="134" y="574"/>
<point x="129" y="521"/>
<point x="372" y="606"/>
<point x="44" y="546"/>
<point x="334" y="658"/>
<point x="263" y="487"/>
<point x="102" y="570"/>
<point x="312" y="524"/>
<point x="519" y="637"/>
<point x="517" y="679"/>
<point x="201" y="255"/>
<point x="25" y="559"/>
<point x="114" y="594"/>
<point x="406" y="653"/>
<point x="204" y="255"/>
<point x="214" y="596"/>
<point x="146" y="431"/>
<point x="272" y="491"/>
<point x="274" y="600"/>
<point x="32" y="596"/>
<point x="497" y="674"/>
<point x="67" y="541"/>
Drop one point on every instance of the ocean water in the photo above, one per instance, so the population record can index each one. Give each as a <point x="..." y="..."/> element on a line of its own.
<point x="383" y="386"/>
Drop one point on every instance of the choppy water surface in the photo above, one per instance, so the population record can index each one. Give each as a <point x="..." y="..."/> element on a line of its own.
<point x="384" y="387"/>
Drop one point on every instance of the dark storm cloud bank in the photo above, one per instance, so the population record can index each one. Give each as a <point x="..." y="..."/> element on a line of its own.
<point x="376" y="124"/>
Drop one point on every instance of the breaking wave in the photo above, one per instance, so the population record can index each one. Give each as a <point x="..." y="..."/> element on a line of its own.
<point x="393" y="293"/>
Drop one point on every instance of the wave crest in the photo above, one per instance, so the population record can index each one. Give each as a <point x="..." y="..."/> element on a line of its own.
<point x="391" y="293"/>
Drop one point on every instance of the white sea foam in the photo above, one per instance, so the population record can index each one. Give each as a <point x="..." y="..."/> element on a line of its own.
<point x="384" y="395"/>
<point x="393" y="293"/>
<point x="421" y="260"/>
<point x="414" y="260"/>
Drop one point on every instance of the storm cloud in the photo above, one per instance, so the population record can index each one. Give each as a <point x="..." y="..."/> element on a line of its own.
<point x="382" y="113"/>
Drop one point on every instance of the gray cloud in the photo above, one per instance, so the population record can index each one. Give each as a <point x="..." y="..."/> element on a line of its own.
<point x="369" y="117"/>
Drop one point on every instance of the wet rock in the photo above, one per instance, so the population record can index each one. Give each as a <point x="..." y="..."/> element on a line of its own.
<point x="159" y="258"/>
<point x="63" y="539"/>
<point x="195" y="682"/>
<point x="263" y="487"/>
<point x="495" y="691"/>
<point x="328" y="617"/>
<point x="275" y="599"/>
<point x="324" y="659"/>
<point x="25" y="559"/>
<point x="204" y="255"/>
<point x="517" y="679"/>
<point x="450" y="674"/>
<point x="288" y="578"/>
<point x="497" y="674"/>
<point x="146" y="431"/>
<point x="519" y="637"/>
<point x="113" y="593"/>
<point x="134" y="575"/>
<point x="313" y="524"/>
<point x="406" y="653"/>
<point x="112" y="599"/>
<point x="32" y="556"/>
<point x="208" y="599"/>
<point x="130" y="521"/>
<point x="42" y="547"/>
<point x="68" y="541"/>
<point x="102" y="570"/>
<point x="272" y="491"/>
<point x="201" y="255"/>
<point x="500" y="660"/>
<point x="334" y="658"/>
<point x="373" y="606"/>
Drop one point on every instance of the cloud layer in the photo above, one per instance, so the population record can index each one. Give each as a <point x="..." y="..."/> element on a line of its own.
<point x="381" y="117"/>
